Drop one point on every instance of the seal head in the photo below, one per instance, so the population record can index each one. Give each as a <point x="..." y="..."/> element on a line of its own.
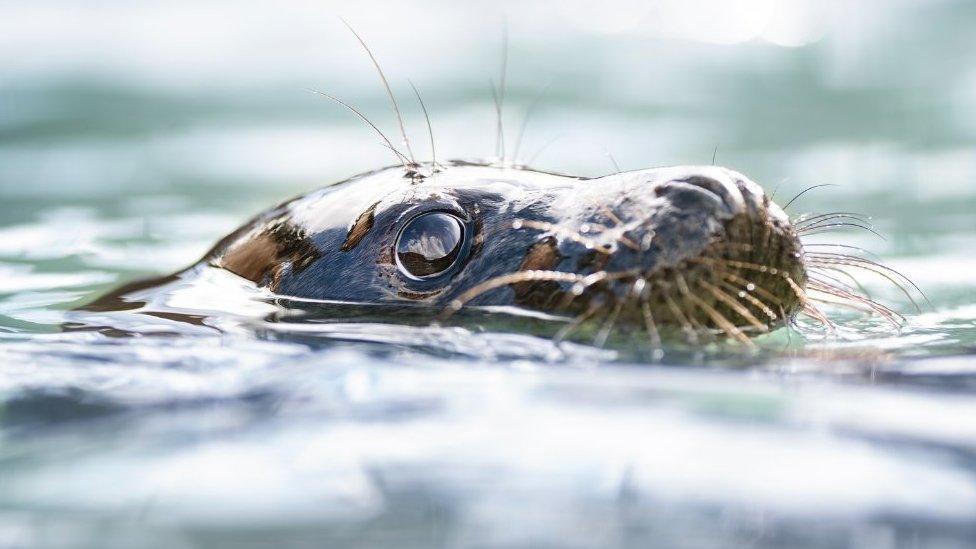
<point x="690" y="247"/>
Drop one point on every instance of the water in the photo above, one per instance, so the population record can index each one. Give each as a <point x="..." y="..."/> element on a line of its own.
<point x="133" y="135"/>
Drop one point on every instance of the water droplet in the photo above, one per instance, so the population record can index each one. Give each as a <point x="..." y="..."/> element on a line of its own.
<point x="517" y="224"/>
<point x="750" y="286"/>
<point x="742" y="294"/>
<point x="584" y="228"/>
<point x="577" y="289"/>
<point x="773" y="271"/>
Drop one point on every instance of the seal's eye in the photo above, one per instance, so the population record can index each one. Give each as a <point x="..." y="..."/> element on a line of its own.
<point x="429" y="244"/>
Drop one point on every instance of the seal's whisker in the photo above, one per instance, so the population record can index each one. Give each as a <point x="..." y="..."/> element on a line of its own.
<point x="749" y="286"/>
<point x="613" y="217"/>
<point x="525" y="121"/>
<point x="805" y="191"/>
<point x="808" y="307"/>
<point x="581" y="283"/>
<point x="500" y="137"/>
<point x="650" y="326"/>
<point x="613" y="161"/>
<point x="810" y="310"/>
<point x="403" y="159"/>
<point x="837" y="284"/>
<point x="565" y="332"/>
<point x="832" y="221"/>
<point x="887" y="313"/>
<point x="796" y="288"/>
<point x="400" y="157"/>
<point x="600" y="276"/>
<point x="569" y="297"/>
<point x="809" y="217"/>
<point x="389" y="91"/>
<point x="734" y="305"/>
<point x="790" y="324"/>
<point x="834" y="273"/>
<point x="823" y="278"/>
<point x="848" y="297"/>
<point x="628" y="242"/>
<point x="680" y="317"/>
<point x="430" y="130"/>
<point x="499" y="97"/>
<point x="813" y="223"/>
<point x="861" y="290"/>
<point x="724" y="323"/>
<point x="514" y="278"/>
<point x="827" y="288"/>
<point x="841" y="302"/>
<point x="744" y="294"/>
<point x="839" y="270"/>
<point x="561" y="231"/>
<point x="863" y="263"/>
<point x="594" y="226"/>
<point x="720" y="320"/>
<point x="809" y="231"/>
<point x="741" y="265"/>
<point x="543" y="148"/>
<point x="880" y="270"/>
<point x="846" y="246"/>
<point x="743" y="246"/>
<point x="620" y="238"/>
<point x="601" y="337"/>
<point x="682" y="285"/>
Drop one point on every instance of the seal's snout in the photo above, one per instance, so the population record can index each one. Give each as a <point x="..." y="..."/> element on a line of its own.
<point x="693" y="247"/>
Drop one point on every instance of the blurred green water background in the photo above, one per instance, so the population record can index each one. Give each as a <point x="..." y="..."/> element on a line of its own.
<point x="134" y="134"/>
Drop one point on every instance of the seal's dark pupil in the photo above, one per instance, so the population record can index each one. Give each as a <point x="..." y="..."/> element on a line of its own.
<point x="429" y="244"/>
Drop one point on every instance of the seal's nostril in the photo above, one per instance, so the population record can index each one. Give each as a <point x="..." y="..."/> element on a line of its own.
<point x="717" y="183"/>
<point x="722" y="188"/>
<point x="684" y="195"/>
<point x="705" y="182"/>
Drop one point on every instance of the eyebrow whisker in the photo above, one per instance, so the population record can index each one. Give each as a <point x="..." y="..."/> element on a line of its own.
<point x="525" y="120"/>
<point x="389" y="91"/>
<point x="430" y="130"/>
<point x="805" y="191"/>
<point x="400" y="157"/>
<point x="499" y="97"/>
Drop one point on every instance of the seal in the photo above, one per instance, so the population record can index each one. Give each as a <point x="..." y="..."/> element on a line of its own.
<point x="695" y="248"/>
<point x="668" y="246"/>
<point x="698" y="249"/>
